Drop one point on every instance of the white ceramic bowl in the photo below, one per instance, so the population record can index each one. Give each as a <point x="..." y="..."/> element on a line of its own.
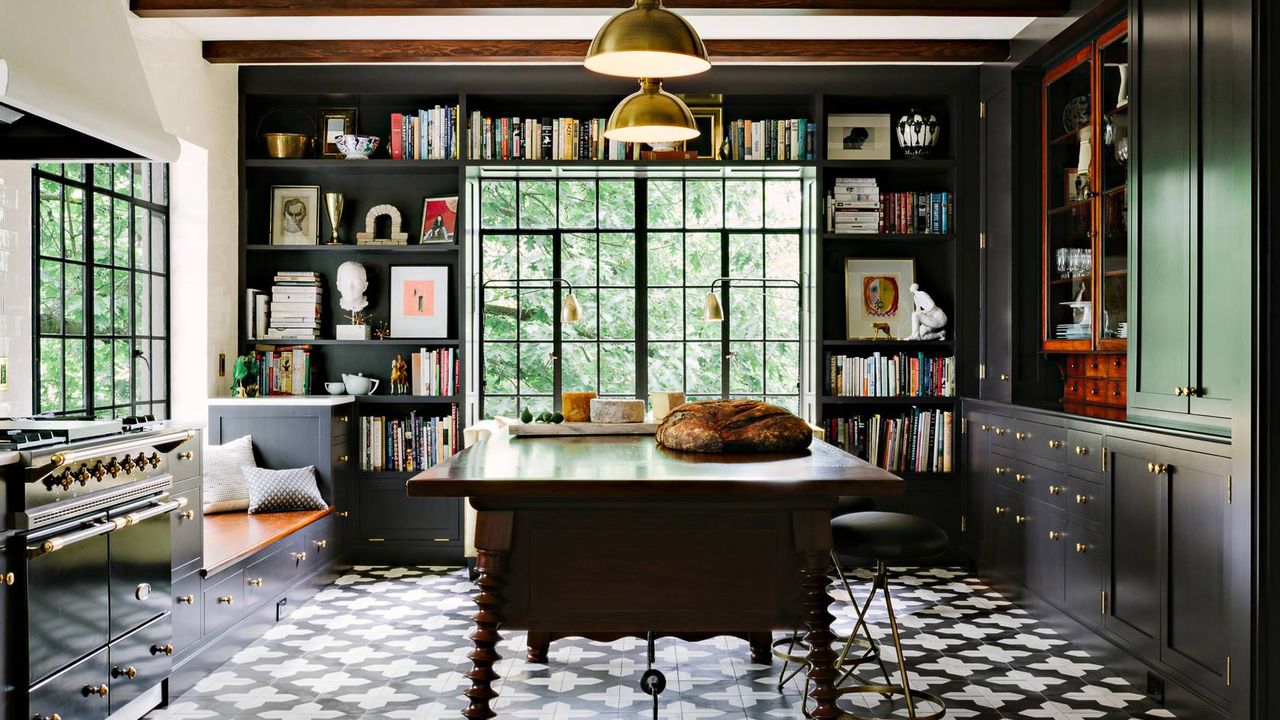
<point x="357" y="147"/>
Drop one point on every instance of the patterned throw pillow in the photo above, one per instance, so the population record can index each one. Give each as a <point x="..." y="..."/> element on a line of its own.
<point x="283" y="490"/>
<point x="224" y="486"/>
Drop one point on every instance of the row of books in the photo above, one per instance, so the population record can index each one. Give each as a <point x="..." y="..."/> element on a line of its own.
<point x="294" y="308"/>
<point x="917" y="441"/>
<point x="770" y="139"/>
<point x="408" y="444"/>
<point x="425" y="135"/>
<point x="853" y="206"/>
<point x="284" y="370"/>
<point x="436" y="373"/>
<point x="857" y="206"/>
<point x="513" y="138"/>
<point x="897" y="375"/>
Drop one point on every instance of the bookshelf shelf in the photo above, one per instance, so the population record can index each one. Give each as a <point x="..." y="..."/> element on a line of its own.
<point x="890" y="345"/>
<point x="932" y="164"/>
<point x="838" y="400"/>
<point x="443" y="248"/>
<point x="407" y="399"/>
<point x="895" y="237"/>
<point x="391" y="342"/>
<point x="378" y="165"/>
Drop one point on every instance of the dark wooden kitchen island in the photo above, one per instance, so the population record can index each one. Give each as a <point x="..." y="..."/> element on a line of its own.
<point x="600" y="536"/>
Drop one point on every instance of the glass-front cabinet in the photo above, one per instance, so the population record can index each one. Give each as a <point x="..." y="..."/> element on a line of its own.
<point x="1085" y="130"/>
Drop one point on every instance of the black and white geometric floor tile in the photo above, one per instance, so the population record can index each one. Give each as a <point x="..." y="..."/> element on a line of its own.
<point x="391" y="642"/>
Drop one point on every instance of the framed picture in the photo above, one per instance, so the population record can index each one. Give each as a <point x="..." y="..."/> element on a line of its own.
<point x="858" y="137"/>
<point x="439" y="220"/>
<point x="295" y="215"/>
<point x="877" y="299"/>
<point x="4" y="374"/>
<point x="1076" y="186"/>
<point x="710" y="122"/>
<point x="420" y="301"/>
<point x="332" y="123"/>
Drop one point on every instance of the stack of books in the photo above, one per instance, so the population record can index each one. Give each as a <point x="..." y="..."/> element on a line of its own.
<point x="284" y="370"/>
<point x="917" y="213"/>
<point x="513" y="138"/>
<point x="425" y="135"/>
<point x="256" y="306"/>
<point x="295" y="306"/>
<point x="407" y="444"/>
<point x="917" y="441"/>
<point x="853" y="206"/>
<point x="899" y="375"/>
<point x="770" y="139"/>
<point x="435" y="373"/>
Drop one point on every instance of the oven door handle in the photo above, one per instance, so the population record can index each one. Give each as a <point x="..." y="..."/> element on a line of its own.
<point x="59" y="542"/>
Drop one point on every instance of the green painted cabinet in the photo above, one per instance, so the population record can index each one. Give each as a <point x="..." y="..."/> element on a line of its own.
<point x="1192" y="233"/>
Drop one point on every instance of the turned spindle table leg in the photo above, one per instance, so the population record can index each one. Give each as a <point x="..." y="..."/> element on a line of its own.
<point x="818" y="618"/>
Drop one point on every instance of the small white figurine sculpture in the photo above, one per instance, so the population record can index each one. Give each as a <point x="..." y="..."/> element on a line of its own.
<point x="928" y="319"/>
<point x="352" y="283"/>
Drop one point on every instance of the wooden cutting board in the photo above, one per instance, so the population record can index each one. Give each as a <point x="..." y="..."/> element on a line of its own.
<point x="586" y="428"/>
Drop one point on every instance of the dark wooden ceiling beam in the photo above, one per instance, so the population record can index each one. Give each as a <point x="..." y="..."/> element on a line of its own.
<point x="257" y="8"/>
<point x="249" y="52"/>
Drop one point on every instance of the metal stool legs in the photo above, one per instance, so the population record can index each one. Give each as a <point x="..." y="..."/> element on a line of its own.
<point x="912" y="699"/>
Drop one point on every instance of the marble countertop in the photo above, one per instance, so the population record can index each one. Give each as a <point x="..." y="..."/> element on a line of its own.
<point x="9" y="457"/>
<point x="314" y="400"/>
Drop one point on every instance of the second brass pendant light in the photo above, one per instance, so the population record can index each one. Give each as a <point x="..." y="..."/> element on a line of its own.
<point x="649" y="42"/>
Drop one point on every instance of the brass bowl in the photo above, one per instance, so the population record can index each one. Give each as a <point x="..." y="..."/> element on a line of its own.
<point x="288" y="146"/>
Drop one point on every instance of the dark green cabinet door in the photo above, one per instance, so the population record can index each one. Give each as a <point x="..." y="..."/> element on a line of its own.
<point x="1224" y="312"/>
<point x="1164" y="140"/>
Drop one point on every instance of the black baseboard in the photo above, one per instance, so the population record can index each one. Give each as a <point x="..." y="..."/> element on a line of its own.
<point x="414" y="553"/>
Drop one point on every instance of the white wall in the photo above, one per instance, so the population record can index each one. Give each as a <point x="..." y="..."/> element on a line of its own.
<point x="198" y="103"/>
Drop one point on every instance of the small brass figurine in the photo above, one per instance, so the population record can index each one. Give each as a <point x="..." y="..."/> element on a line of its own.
<point x="399" y="376"/>
<point x="881" y="327"/>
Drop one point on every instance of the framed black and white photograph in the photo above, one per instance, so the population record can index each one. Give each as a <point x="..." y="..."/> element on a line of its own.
<point x="858" y="137"/>
<point x="420" y="301"/>
<point x="295" y="215"/>
<point x="332" y="123"/>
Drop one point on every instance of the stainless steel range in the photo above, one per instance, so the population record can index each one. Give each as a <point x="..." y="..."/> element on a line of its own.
<point x="89" y="541"/>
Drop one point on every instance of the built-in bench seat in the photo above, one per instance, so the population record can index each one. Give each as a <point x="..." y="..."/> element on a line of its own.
<point x="232" y="537"/>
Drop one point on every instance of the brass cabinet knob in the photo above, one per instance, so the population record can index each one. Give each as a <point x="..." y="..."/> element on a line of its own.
<point x="255" y="582"/>
<point x="1020" y="519"/>
<point x="1178" y="390"/>
<point x="343" y="514"/>
<point x="1081" y="499"/>
<point x="342" y="418"/>
<point x="1055" y="444"/>
<point x="227" y="600"/>
<point x="99" y="690"/>
<point x="985" y="428"/>
<point x="1020" y="477"/>
<point x="186" y="599"/>
<point x="186" y="455"/>
<point x="1001" y="431"/>
<point x="1161" y="468"/>
<point x="187" y="515"/>
<point x="1082" y="548"/>
<point x="321" y="544"/>
<point x="343" y="458"/>
<point x="1156" y="468"/>
<point x="1004" y="377"/>
<point x="1056" y="489"/>
<point x="1191" y="391"/>
<point x="1021" y="435"/>
<point x="154" y="460"/>
<point x="114" y="468"/>
<point x="166" y="649"/>
<point x="1081" y="450"/>
<point x="8" y="578"/>
<point x="1055" y="535"/>
<point x="1001" y="470"/>
<point x="130" y="672"/>
<point x="1001" y="510"/>
<point x="300" y="556"/>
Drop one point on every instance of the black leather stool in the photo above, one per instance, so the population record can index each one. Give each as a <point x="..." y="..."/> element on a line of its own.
<point x="889" y="537"/>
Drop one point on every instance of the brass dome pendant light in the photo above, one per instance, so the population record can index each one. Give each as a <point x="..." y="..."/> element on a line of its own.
<point x="647" y="40"/>
<point x="651" y="115"/>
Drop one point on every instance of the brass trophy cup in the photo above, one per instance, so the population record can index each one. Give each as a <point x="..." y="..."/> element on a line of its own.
<point x="333" y="204"/>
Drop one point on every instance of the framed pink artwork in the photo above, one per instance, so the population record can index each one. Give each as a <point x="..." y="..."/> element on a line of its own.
<point x="419" y="301"/>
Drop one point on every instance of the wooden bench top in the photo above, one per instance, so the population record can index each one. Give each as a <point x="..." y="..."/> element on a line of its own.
<point x="232" y="537"/>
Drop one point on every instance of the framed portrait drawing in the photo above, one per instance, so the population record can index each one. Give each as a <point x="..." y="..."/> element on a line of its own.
<point x="439" y="220"/>
<point x="295" y="215"/>
<point x="858" y="137"/>
<point x="420" y="301"/>
<point x="877" y="299"/>
<point x="332" y="123"/>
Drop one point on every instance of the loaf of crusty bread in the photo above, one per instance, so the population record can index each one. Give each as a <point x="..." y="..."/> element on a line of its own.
<point x="713" y="426"/>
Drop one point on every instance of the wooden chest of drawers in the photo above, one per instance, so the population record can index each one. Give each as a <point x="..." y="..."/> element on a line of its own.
<point x="1095" y="385"/>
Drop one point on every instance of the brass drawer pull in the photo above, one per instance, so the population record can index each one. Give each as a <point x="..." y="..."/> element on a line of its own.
<point x="985" y="428"/>
<point x="188" y="455"/>
<point x="166" y="649"/>
<point x="1020" y="519"/>
<point x="1021" y="436"/>
<point x="1056" y="489"/>
<point x="186" y="599"/>
<point x="1082" y="548"/>
<point x="342" y="419"/>
<point x="1157" y="468"/>
<point x="300" y="556"/>
<point x="1001" y="431"/>
<point x="1081" y="499"/>
<point x="344" y="514"/>
<point x="130" y="672"/>
<point x="1081" y="450"/>
<point x="1055" y="535"/>
<point x="321" y="544"/>
<point x="1001" y="470"/>
<point x="1001" y="510"/>
<point x="1020" y="477"/>
<point x="9" y="578"/>
<point x="1055" y="444"/>
<point x="1004" y="377"/>
<point x="99" y="690"/>
<point x="255" y="582"/>
<point x="343" y="458"/>
<point x="227" y="600"/>
<point x="187" y="515"/>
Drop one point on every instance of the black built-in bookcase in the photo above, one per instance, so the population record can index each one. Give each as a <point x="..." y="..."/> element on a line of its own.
<point x="946" y="265"/>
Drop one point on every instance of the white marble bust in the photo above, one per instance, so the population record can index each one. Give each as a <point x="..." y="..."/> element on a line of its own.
<point x="352" y="282"/>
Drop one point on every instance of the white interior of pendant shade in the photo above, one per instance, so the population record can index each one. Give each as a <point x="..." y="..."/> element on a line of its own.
<point x="645" y="63"/>
<point x="651" y="133"/>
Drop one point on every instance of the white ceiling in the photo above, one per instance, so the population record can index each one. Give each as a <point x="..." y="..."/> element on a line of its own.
<point x="584" y="26"/>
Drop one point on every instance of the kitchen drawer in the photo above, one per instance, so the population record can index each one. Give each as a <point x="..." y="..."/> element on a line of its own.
<point x="223" y="602"/>
<point x="1115" y="367"/>
<point x="187" y="528"/>
<point x="68" y="694"/>
<point x="1095" y="366"/>
<point x="269" y="576"/>
<point x="140" y="660"/>
<point x="1084" y="450"/>
<point x="1075" y="390"/>
<point x="321" y="543"/>
<point x="341" y="422"/>
<point x="1003" y="472"/>
<point x="186" y="611"/>
<point x="1115" y="393"/>
<point x="141" y="572"/>
<point x="1046" y="442"/>
<point x="1075" y="366"/>
<point x="185" y="461"/>
<point x="1001" y="431"/>
<point x="1086" y="502"/>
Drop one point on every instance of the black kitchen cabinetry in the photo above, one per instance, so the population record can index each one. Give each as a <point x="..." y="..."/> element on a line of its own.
<point x="1122" y="529"/>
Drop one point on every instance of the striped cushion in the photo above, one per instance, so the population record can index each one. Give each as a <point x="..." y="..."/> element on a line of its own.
<point x="224" y="486"/>
<point x="283" y="490"/>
